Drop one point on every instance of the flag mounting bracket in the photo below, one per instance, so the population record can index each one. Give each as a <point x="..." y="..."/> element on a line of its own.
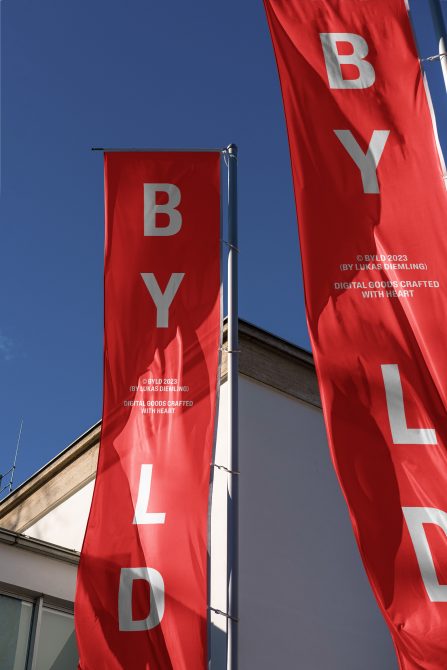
<point x="222" y="467"/>
<point x="432" y="58"/>
<point x="227" y="616"/>
<point x="231" y="246"/>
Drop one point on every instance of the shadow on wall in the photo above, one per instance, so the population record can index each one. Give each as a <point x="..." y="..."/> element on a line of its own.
<point x="218" y="649"/>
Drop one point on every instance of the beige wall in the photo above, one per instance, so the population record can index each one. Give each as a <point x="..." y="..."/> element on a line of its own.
<point x="65" y="524"/>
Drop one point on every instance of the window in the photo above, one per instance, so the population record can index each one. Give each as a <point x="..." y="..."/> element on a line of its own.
<point x="15" y="630"/>
<point x="36" y="634"/>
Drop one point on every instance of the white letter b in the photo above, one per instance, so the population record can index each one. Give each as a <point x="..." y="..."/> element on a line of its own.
<point x="151" y="209"/>
<point x="334" y="60"/>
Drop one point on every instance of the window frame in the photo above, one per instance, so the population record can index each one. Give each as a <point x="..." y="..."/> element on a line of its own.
<point x="39" y="601"/>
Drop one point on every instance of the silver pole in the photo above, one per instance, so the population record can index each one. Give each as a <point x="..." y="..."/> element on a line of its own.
<point x="233" y="421"/>
<point x="157" y="151"/>
<point x="441" y="35"/>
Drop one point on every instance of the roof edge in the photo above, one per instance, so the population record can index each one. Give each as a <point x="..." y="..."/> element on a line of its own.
<point x="48" y="549"/>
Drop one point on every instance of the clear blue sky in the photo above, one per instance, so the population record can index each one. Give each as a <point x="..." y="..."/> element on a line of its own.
<point x="128" y="74"/>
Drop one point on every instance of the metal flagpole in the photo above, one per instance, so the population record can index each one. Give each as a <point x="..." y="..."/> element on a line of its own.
<point x="233" y="423"/>
<point x="441" y="34"/>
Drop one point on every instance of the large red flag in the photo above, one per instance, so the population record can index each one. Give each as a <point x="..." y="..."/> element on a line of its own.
<point x="141" y="599"/>
<point x="372" y="213"/>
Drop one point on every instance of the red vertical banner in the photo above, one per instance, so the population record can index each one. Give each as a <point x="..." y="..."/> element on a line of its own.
<point x="141" y="601"/>
<point x="372" y="213"/>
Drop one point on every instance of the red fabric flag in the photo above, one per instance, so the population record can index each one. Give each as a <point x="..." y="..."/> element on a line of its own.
<point x="372" y="213"/>
<point x="141" y="599"/>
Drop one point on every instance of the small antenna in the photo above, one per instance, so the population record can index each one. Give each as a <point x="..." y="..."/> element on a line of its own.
<point x="15" y="457"/>
<point x="12" y="470"/>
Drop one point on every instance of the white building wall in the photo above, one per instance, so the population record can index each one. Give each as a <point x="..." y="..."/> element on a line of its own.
<point x="305" y="602"/>
<point x="41" y="574"/>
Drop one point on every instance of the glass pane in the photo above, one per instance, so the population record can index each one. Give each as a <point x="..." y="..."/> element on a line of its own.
<point x="15" y="626"/>
<point x="56" y="647"/>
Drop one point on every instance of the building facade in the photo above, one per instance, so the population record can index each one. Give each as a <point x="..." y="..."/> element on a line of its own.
<point x="305" y="602"/>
